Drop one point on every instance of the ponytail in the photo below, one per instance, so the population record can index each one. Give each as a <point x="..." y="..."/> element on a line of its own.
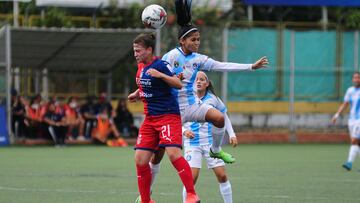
<point x="183" y="12"/>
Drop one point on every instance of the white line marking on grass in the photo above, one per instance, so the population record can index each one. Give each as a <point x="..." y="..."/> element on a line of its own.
<point x="306" y="198"/>
<point x="64" y="190"/>
<point x="79" y="191"/>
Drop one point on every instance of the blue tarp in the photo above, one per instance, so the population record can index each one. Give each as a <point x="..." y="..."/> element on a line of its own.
<point x="4" y="136"/>
<point x="350" y="3"/>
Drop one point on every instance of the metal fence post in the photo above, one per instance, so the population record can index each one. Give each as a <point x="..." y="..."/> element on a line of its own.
<point x="292" y="130"/>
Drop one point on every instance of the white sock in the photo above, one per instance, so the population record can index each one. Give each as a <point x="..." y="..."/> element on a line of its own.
<point x="184" y="195"/>
<point x="226" y="192"/>
<point x="218" y="136"/>
<point x="155" y="168"/>
<point x="353" y="151"/>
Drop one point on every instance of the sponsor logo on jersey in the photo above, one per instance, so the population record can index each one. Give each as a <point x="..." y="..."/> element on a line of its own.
<point x="176" y="64"/>
<point x="143" y="82"/>
<point x="146" y="95"/>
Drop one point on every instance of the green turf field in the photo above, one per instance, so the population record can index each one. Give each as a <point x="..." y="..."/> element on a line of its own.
<point x="263" y="173"/>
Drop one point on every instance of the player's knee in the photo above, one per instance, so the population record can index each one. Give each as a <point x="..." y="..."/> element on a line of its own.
<point x="222" y="178"/>
<point x="140" y="161"/>
<point x="173" y="157"/>
<point x="355" y="141"/>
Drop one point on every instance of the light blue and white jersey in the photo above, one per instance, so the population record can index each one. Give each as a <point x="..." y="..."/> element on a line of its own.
<point x="187" y="66"/>
<point x="353" y="97"/>
<point x="203" y="131"/>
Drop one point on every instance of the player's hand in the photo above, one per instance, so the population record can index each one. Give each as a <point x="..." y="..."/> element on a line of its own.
<point x="181" y="76"/>
<point x="154" y="73"/>
<point x="233" y="141"/>
<point x="189" y="134"/>
<point x="261" y="63"/>
<point x="334" y="118"/>
<point x="133" y="97"/>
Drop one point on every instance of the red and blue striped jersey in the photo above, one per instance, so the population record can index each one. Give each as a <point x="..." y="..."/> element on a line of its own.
<point x="158" y="97"/>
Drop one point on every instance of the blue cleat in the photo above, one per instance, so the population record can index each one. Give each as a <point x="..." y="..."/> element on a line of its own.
<point x="347" y="166"/>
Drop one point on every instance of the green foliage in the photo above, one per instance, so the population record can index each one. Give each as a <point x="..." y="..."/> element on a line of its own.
<point x="120" y="17"/>
<point x="56" y="17"/>
<point x="352" y="21"/>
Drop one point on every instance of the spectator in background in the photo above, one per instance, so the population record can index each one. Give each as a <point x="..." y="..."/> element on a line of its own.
<point x="73" y="119"/>
<point x="58" y="107"/>
<point x="17" y="115"/>
<point x="88" y="112"/>
<point x="105" y="130"/>
<point x="55" y="124"/>
<point x="124" y="120"/>
<point x="34" y="116"/>
<point x="103" y="103"/>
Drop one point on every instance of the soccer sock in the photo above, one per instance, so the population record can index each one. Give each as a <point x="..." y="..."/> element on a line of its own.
<point x="218" y="136"/>
<point x="226" y="192"/>
<point x="184" y="195"/>
<point x="354" y="149"/>
<point x="144" y="181"/>
<point x="155" y="168"/>
<point x="185" y="174"/>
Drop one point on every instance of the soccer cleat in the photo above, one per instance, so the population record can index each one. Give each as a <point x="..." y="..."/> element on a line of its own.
<point x="192" y="198"/>
<point x="138" y="199"/>
<point x="347" y="166"/>
<point x="226" y="157"/>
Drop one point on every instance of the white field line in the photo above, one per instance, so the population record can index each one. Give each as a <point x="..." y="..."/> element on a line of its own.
<point x="117" y="192"/>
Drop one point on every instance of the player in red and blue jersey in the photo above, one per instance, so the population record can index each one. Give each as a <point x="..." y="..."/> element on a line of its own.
<point x="162" y="124"/>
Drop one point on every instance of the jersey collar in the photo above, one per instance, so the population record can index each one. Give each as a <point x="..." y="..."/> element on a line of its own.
<point x="182" y="52"/>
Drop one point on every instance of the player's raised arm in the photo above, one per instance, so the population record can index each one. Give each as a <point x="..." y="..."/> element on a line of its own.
<point x="213" y="65"/>
<point x="172" y="81"/>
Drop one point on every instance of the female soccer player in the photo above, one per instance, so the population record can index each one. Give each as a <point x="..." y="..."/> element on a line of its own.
<point x="186" y="62"/>
<point x="198" y="139"/>
<point x="162" y="124"/>
<point x="352" y="97"/>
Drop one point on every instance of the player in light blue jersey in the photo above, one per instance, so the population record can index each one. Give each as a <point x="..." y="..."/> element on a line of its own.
<point x="352" y="97"/>
<point x="186" y="62"/>
<point x="198" y="139"/>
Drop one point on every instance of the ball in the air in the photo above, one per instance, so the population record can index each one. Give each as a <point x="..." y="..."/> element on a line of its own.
<point x="154" y="16"/>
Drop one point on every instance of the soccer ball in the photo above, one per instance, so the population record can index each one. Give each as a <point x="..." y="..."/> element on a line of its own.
<point x="154" y="16"/>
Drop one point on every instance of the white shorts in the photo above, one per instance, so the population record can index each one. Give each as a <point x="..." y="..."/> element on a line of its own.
<point x="195" y="113"/>
<point x="194" y="155"/>
<point x="354" y="129"/>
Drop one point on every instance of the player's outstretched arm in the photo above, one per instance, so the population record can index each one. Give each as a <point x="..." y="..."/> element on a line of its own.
<point x="261" y="63"/>
<point x="343" y="106"/>
<point x="172" y="81"/>
<point x="213" y="65"/>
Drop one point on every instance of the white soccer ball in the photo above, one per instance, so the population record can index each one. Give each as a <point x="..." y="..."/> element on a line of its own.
<point x="154" y="16"/>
